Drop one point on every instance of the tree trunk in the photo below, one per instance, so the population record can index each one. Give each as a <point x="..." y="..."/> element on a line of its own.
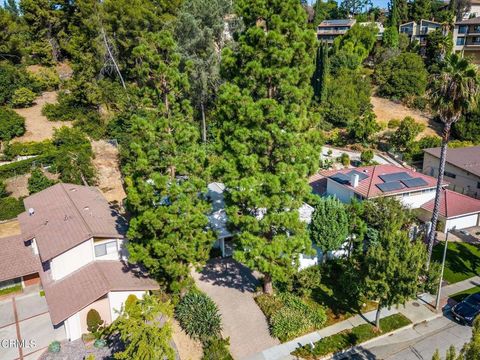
<point x="267" y="284"/>
<point x="377" y="316"/>
<point x="204" y="124"/>
<point x="436" y="206"/>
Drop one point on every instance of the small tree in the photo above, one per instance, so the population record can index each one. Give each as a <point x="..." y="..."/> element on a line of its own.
<point x="366" y="156"/>
<point x="11" y="124"/>
<point x="406" y="133"/>
<point x="329" y="225"/>
<point x="94" y="322"/>
<point x="393" y="266"/>
<point x="23" y="97"/>
<point x="145" y="330"/>
<point x="345" y="159"/>
<point x="38" y="181"/>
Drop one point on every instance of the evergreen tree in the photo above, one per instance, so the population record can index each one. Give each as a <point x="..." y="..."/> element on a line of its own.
<point x="11" y="6"/>
<point x="267" y="142"/>
<point x="168" y="229"/>
<point x="329" y="226"/>
<point x="321" y="73"/>
<point x="421" y="9"/>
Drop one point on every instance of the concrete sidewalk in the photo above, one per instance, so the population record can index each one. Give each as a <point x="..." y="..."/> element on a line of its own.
<point x="412" y="310"/>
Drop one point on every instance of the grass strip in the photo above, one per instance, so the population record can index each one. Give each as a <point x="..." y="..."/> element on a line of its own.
<point x="351" y="337"/>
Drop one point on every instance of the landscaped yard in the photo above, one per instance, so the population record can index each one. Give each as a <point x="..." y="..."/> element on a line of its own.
<point x="462" y="262"/>
<point x="463" y="294"/>
<point x="351" y="337"/>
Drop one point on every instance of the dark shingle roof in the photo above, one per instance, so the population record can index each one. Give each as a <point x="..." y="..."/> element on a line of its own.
<point x="16" y="259"/>
<point x="466" y="158"/>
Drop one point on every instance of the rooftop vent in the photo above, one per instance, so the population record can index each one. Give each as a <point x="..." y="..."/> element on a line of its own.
<point x="31" y="211"/>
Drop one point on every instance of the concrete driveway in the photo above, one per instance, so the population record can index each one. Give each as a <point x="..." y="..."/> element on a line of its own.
<point x="25" y="327"/>
<point x="232" y="286"/>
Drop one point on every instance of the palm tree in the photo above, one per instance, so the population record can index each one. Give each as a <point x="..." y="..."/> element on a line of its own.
<point x="454" y="91"/>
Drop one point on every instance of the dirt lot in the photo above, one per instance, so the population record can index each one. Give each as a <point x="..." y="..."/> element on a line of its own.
<point x="188" y="349"/>
<point x="17" y="186"/>
<point x="386" y="110"/>
<point x="108" y="171"/>
<point x="9" y="228"/>
<point x="38" y="127"/>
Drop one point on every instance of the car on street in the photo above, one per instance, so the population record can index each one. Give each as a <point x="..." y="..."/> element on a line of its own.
<point x="467" y="309"/>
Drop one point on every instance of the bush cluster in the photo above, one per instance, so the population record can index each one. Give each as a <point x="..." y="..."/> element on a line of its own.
<point x="217" y="349"/>
<point x="289" y="316"/>
<point x="11" y="124"/>
<point x="10" y="207"/>
<point x="25" y="166"/>
<point x="27" y="148"/>
<point x="23" y="97"/>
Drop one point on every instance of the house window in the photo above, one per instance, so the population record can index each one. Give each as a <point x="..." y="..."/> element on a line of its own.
<point x="476" y="28"/>
<point x="462" y="29"/>
<point x="478" y="185"/>
<point x="461" y="41"/>
<point x="449" y="174"/>
<point x="105" y="249"/>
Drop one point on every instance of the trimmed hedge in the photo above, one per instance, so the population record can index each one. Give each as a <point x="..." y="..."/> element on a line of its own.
<point x="28" y="148"/>
<point x="10" y="208"/>
<point x="25" y="166"/>
<point x="351" y="337"/>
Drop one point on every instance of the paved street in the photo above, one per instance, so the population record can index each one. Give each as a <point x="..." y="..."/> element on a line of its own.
<point x="416" y="343"/>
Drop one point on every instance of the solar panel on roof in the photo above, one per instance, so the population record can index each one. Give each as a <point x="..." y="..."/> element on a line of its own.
<point x="390" y="186"/>
<point x="361" y="175"/>
<point x="340" y="178"/>
<point x="395" y="176"/>
<point x="414" y="182"/>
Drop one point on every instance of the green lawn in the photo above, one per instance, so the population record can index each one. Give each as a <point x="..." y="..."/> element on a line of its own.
<point x="462" y="262"/>
<point x="463" y="294"/>
<point x="348" y="338"/>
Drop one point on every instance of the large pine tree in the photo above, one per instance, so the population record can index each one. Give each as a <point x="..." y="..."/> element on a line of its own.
<point x="265" y="137"/>
<point x="168" y="230"/>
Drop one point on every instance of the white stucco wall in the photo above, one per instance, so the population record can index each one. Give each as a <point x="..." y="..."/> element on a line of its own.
<point x="71" y="260"/>
<point x="341" y="192"/>
<point x="73" y="327"/>
<point x="462" y="222"/>
<point x="117" y="299"/>
<point x="416" y="200"/>
<point x="112" y="256"/>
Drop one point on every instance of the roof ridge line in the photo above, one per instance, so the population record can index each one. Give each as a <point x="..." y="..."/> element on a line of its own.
<point x="371" y="180"/>
<point x="77" y="209"/>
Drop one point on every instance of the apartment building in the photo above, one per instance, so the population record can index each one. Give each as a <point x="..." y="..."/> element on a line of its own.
<point x="466" y="39"/>
<point x="419" y="31"/>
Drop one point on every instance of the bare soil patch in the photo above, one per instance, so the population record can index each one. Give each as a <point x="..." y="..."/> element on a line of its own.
<point x="9" y="228"/>
<point x="109" y="178"/>
<point x="188" y="349"/>
<point x="38" y="127"/>
<point x="386" y="110"/>
<point x="18" y="186"/>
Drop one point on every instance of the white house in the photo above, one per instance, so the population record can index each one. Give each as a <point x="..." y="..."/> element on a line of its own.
<point x="77" y="241"/>
<point x="413" y="189"/>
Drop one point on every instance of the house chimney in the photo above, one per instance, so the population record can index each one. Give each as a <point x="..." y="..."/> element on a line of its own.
<point x="354" y="178"/>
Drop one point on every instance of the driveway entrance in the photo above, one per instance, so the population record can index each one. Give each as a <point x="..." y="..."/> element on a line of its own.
<point x="232" y="286"/>
<point x="25" y="327"/>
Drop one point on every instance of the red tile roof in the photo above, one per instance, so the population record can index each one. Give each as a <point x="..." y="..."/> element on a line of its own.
<point x="367" y="188"/>
<point x="67" y="296"/>
<point x="66" y="215"/>
<point x="454" y="204"/>
<point x="16" y="259"/>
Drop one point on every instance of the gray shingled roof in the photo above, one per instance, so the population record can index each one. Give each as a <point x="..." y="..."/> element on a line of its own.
<point x="65" y="215"/>
<point x="466" y="158"/>
<point x="71" y="294"/>
<point x="16" y="259"/>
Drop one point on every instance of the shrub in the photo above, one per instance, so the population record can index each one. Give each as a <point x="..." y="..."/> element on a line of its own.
<point x="295" y="318"/>
<point x="393" y="124"/>
<point x="10" y="208"/>
<point x="10" y="289"/>
<point x="38" y="181"/>
<point x="100" y="343"/>
<point x="217" y="349"/>
<point x="90" y="357"/>
<point x="3" y="189"/>
<point x="345" y="159"/>
<point x="11" y="124"/>
<point x="46" y="79"/>
<point x="24" y="166"/>
<point x="63" y="110"/>
<point x="366" y="156"/>
<point x="11" y="78"/>
<point x="54" y="347"/>
<point x="307" y="280"/>
<point x="94" y="322"/>
<point x="27" y="148"/>
<point x="198" y="315"/>
<point x="268" y="304"/>
<point x="23" y="97"/>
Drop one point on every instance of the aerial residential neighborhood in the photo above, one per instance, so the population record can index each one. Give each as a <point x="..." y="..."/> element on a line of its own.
<point x="239" y="180"/>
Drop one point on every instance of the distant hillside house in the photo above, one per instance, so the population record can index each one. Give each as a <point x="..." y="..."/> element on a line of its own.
<point x="466" y="39"/>
<point x="72" y="246"/>
<point x="462" y="168"/>
<point x="419" y="31"/>
<point x="413" y="189"/>
<point x="328" y="30"/>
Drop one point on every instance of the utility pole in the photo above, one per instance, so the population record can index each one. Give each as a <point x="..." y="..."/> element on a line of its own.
<point x="437" y="302"/>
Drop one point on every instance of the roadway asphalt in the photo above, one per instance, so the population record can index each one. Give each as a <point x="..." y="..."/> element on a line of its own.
<point x="419" y="342"/>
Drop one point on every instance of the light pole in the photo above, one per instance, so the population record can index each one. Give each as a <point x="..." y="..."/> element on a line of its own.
<point x="437" y="302"/>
